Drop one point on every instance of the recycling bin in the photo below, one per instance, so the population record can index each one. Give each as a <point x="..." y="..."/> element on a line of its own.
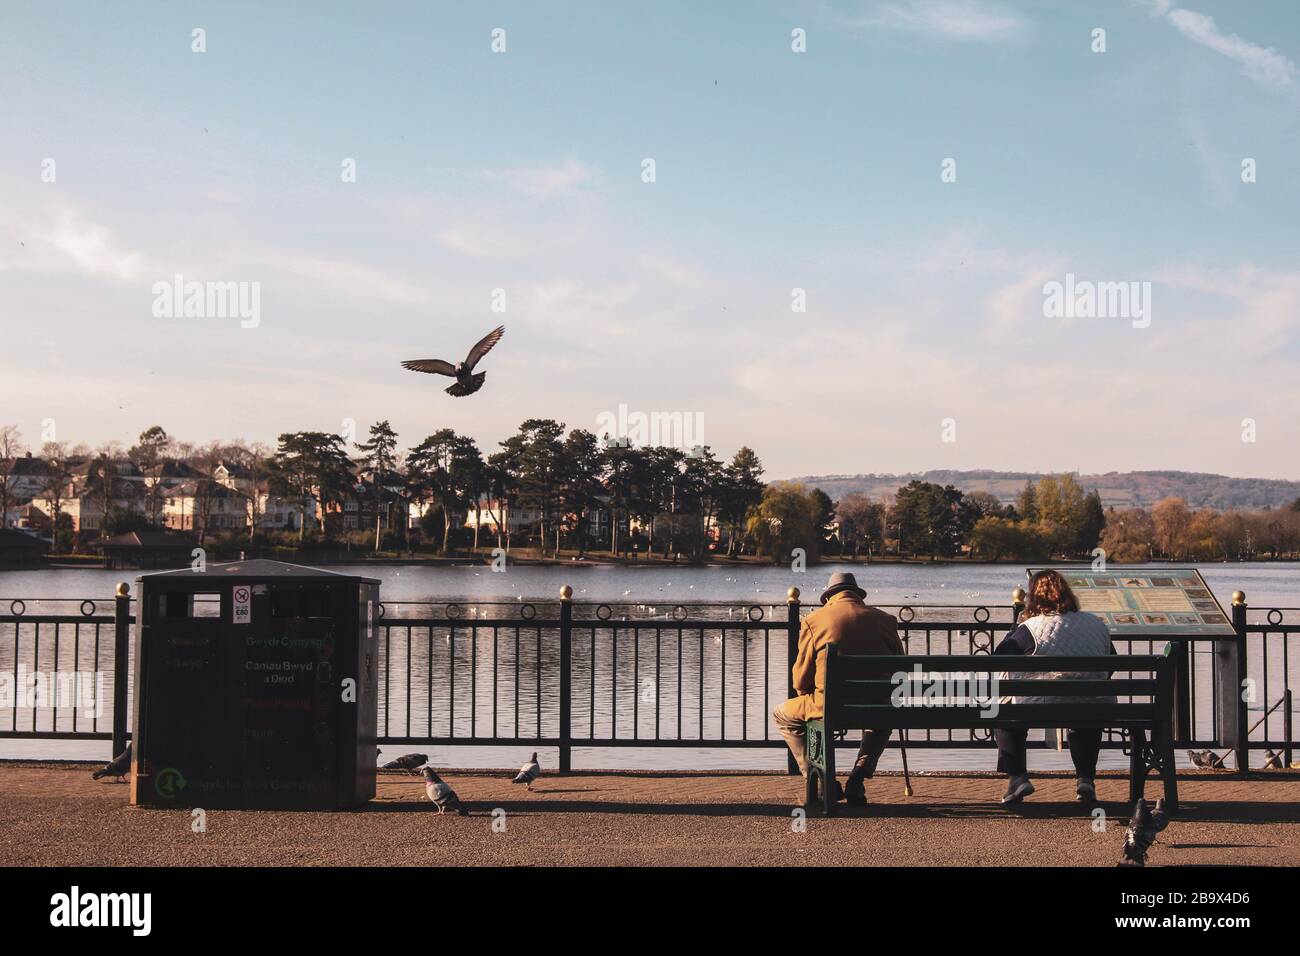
<point x="256" y="687"/>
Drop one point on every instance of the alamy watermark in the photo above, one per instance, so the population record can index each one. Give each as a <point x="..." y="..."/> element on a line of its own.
<point x="1085" y="299"/>
<point x="53" y="690"/>
<point x="180" y="299"/>
<point x="919" y="688"/>
<point x="683" y="430"/>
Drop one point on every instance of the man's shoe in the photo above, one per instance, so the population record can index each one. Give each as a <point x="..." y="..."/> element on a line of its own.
<point x="1017" y="790"/>
<point x="837" y="791"/>
<point x="855" y="792"/>
<point x="1086" y="790"/>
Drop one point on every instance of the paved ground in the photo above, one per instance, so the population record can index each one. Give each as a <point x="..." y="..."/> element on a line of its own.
<point x="57" y="815"/>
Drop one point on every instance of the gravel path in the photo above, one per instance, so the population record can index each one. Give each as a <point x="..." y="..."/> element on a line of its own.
<point x="57" y="815"/>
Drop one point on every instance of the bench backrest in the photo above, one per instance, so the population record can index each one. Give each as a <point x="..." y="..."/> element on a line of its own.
<point x="965" y="690"/>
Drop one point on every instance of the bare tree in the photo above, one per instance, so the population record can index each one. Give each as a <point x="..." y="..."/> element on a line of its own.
<point x="11" y="447"/>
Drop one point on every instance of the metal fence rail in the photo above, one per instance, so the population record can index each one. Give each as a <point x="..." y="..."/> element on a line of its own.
<point x="569" y="674"/>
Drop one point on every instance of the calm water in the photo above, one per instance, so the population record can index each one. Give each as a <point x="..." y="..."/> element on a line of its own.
<point x="618" y="678"/>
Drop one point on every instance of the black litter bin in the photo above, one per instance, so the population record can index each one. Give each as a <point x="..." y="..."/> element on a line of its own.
<point x="256" y="686"/>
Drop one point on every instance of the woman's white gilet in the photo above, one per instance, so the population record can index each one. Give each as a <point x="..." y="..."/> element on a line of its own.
<point x="1073" y="634"/>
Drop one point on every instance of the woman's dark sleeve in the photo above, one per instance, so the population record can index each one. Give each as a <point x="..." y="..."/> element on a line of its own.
<point x="1019" y="641"/>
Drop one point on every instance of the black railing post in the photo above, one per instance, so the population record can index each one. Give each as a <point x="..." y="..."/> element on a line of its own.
<point x="1241" y="739"/>
<point x="1183" y="729"/>
<point x="1017" y="607"/>
<point x="1288" y="754"/>
<point x="566" y="677"/>
<point x="792" y="651"/>
<point x="121" y="651"/>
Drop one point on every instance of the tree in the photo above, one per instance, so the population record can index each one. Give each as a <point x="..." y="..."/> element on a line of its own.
<point x="705" y="482"/>
<point x="312" y="465"/>
<point x="442" y="467"/>
<point x="784" y="519"/>
<point x="994" y="538"/>
<point x="56" y="486"/>
<point x="862" y="523"/>
<point x="1172" y="519"/>
<point x="824" y="518"/>
<point x="11" y="448"/>
<point x="986" y="505"/>
<point x="379" y="462"/>
<point x="1093" y="523"/>
<point x="625" y="471"/>
<point x="933" y="520"/>
<point x="1027" y="502"/>
<point x="149" y="451"/>
<point x="1127" y="536"/>
<point x="742" y="491"/>
<point x="580" y="486"/>
<point x="539" y="458"/>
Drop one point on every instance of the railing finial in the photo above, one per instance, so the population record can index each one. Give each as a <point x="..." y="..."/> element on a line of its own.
<point x="123" y="589"/>
<point x="1238" y="597"/>
<point x="1018" y="596"/>
<point x="566" y="593"/>
<point x="791" y="595"/>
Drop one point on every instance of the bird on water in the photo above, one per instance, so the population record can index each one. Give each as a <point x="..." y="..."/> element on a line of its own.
<point x="467" y="383"/>
<point x="118" y="767"/>
<point x="529" y="772"/>
<point x="440" y="792"/>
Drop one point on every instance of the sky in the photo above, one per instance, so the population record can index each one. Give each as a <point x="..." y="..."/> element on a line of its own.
<point x="921" y="170"/>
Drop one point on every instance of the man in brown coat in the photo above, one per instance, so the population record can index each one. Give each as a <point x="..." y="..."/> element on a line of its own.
<point x="846" y="621"/>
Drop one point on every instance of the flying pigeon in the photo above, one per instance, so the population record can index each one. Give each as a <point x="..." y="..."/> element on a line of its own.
<point x="466" y="382"/>
<point x="529" y="772"/>
<point x="443" y="797"/>
<point x="1207" y="759"/>
<point x="408" y="762"/>
<point x="1141" y="833"/>
<point x="118" y="767"/>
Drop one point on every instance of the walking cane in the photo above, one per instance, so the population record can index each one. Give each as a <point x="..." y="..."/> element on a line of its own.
<point x="902" y="746"/>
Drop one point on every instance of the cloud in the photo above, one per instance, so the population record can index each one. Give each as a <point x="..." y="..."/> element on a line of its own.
<point x="348" y="278"/>
<point x="964" y="20"/>
<point x="544" y="182"/>
<point x="1263" y="66"/>
<point x="64" y="239"/>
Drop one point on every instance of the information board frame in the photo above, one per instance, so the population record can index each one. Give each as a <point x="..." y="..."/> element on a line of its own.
<point x="1149" y="602"/>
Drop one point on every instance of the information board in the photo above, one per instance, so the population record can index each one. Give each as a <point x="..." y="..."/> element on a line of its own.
<point x="1137" y="602"/>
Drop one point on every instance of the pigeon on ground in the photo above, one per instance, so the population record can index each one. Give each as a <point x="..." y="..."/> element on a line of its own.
<point x="466" y="382"/>
<point x="118" y="767"/>
<point x="440" y="792"/>
<point x="1272" y="761"/>
<point x="408" y="762"/>
<point x="1207" y="759"/>
<point x="1141" y="833"/>
<point x="529" y="772"/>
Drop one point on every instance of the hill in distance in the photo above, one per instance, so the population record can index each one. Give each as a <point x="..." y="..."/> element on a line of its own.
<point x="1127" y="489"/>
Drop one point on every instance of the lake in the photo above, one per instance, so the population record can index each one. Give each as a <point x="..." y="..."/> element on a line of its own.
<point x="645" y="592"/>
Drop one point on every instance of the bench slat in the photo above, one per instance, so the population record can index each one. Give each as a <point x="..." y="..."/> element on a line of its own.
<point x="860" y="666"/>
<point x="855" y="690"/>
<point x="858" y="716"/>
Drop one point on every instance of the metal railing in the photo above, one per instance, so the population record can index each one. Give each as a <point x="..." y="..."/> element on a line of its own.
<point x="576" y="674"/>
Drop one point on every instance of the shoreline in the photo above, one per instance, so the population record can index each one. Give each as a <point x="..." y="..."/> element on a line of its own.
<point x="484" y="559"/>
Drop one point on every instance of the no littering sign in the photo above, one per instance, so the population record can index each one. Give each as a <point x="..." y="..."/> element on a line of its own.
<point x="243" y="610"/>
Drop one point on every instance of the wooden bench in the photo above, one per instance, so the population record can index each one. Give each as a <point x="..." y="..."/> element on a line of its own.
<point x="856" y="685"/>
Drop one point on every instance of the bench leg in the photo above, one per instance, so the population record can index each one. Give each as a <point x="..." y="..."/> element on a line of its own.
<point x="828" y="782"/>
<point x="1137" y="767"/>
<point x="1165" y="743"/>
<point x="815" y="744"/>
